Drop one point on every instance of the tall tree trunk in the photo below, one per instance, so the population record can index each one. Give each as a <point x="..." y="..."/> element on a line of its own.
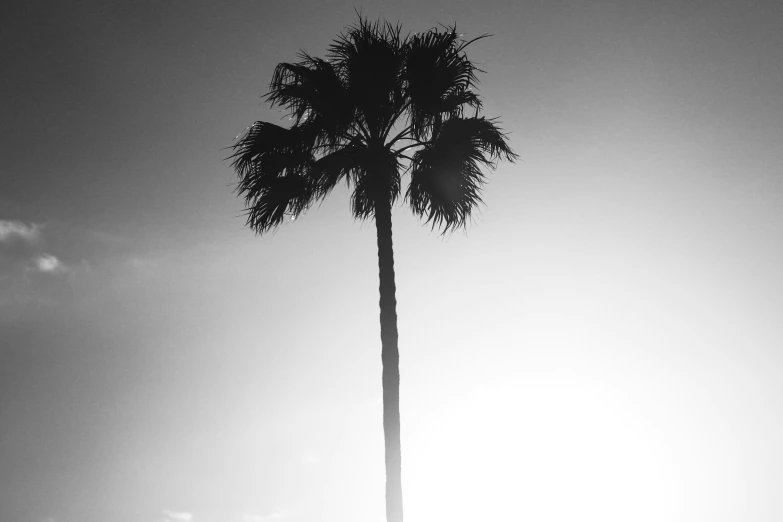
<point x="390" y="358"/>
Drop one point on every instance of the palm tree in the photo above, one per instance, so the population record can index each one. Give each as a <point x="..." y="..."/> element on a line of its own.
<point x="379" y="106"/>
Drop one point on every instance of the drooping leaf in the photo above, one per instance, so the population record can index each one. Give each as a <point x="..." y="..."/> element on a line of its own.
<point x="274" y="198"/>
<point x="447" y="174"/>
<point x="315" y="95"/>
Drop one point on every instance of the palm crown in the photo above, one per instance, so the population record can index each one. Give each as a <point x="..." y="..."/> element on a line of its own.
<point x="381" y="105"/>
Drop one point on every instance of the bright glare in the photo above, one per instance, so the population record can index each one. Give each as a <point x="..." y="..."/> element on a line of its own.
<point x="557" y="443"/>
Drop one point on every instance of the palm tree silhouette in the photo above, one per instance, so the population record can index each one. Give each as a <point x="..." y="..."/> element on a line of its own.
<point x="379" y="106"/>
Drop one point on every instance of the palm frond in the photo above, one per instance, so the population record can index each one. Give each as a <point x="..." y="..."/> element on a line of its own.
<point x="446" y="175"/>
<point x="369" y="58"/>
<point x="439" y="78"/>
<point x="271" y="199"/>
<point x="313" y="92"/>
<point x="270" y="150"/>
<point x="273" y="165"/>
<point x="345" y="163"/>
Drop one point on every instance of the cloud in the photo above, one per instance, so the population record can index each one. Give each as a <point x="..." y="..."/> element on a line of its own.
<point x="49" y="263"/>
<point x="11" y="230"/>
<point x="177" y="516"/>
<point x="19" y="243"/>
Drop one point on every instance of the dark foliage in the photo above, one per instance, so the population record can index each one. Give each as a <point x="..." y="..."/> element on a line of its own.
<point x="344" y="109"/>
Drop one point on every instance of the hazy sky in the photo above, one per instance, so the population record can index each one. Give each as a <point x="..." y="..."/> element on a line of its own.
<point x="604" y="343"/>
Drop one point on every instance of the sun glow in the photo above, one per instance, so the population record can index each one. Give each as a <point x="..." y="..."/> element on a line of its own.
<point x="563" y="441"/>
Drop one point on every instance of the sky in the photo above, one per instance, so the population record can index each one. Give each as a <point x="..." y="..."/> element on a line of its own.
<point x="603" y="342"/>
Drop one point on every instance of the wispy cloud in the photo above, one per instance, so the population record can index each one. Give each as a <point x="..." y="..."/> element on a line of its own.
<point x="10" y="230"/>
<point x="177" y="516"/>
<point x="49" y="263"/>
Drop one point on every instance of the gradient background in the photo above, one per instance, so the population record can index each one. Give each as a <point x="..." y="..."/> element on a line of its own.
<point x="604" y="343"/>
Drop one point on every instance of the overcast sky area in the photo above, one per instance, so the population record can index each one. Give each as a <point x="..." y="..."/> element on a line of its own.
<point x="603" y="343"/>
